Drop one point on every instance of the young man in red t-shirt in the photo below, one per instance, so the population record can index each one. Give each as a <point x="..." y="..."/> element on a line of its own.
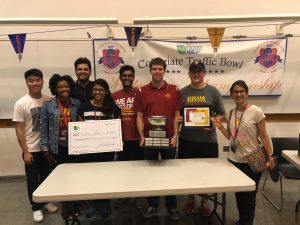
<point x="124" y="99"/>
<point x="158" y="98"/>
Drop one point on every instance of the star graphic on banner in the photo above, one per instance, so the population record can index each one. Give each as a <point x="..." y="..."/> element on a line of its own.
<point x="222" y="71"/>
<point x="210" y="71"/>
<point x="167" y="71"/>
<point x="216" y="71"/>
<point x="173" y="71"/>
<point x="178" y="71"/>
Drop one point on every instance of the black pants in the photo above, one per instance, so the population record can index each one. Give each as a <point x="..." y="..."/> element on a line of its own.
<point x="153" y="154"/>
<point x="191" y="149"/>
<point x="246" y="201"/>
<point x="131" y="151"/>
<point x="36" y="173"/>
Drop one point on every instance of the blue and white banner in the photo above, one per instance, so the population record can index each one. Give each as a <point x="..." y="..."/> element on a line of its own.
<point x="259" y="62"/>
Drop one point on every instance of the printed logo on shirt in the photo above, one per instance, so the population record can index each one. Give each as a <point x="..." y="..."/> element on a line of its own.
<point x="196" y="99"/>
<point x="168" y="95"/>
<point x="124" y="103"/>
<point x="35" y="115"/>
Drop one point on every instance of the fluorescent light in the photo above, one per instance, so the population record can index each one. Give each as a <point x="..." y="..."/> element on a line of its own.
<point x="57" y="21"/>
<point x="217" y="19"/>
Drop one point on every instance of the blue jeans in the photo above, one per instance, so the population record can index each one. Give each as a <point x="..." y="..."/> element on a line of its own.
<point x="153" y="154"/>
<point x="36" y="173"/>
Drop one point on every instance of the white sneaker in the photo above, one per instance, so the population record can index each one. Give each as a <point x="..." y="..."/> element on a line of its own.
<point x="51" y="207"/>
<point x="38" y="216"/>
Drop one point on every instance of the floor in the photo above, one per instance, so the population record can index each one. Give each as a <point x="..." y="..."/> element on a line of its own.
<point x="15" y="208"/>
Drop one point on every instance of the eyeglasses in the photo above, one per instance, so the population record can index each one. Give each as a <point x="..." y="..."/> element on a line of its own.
<point x="239" y="92"/>
<point x="99" y="90"/>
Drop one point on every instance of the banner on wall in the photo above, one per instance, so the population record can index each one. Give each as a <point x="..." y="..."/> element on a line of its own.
<point x="259" y="62"/>
<point x="133" y="35"/>
<point x="18" y="42"/>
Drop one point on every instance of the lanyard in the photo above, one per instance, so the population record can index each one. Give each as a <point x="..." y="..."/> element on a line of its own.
<point x="64" y="114"/>
<point x="95" y="112"/>
<point x="237" y="126"/>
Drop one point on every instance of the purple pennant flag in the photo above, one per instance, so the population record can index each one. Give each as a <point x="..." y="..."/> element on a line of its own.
<point x="133" y="35"/>
<point x="18" y="41"/>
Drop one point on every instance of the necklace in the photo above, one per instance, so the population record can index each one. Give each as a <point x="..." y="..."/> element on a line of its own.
<point x="95" y="112"/>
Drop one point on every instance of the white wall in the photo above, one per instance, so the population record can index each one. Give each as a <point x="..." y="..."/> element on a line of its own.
<point x="10" y="161"/>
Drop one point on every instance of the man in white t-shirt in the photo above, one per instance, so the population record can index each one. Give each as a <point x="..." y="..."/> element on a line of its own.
<point x="26" y="120"/>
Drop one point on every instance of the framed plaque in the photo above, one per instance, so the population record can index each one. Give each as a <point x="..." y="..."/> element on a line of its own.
<point x="197" y="116"/>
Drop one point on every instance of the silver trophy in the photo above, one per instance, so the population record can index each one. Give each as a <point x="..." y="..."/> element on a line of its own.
<point x="158" y="132"/>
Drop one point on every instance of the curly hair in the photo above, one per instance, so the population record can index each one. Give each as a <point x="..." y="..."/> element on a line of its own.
<point x="55" y="78"/>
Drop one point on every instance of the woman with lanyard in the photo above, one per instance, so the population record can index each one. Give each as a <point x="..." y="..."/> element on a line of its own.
<point x="246" y="127"/>
<point x="55" y="116"/>
<point x="101" y="107"/>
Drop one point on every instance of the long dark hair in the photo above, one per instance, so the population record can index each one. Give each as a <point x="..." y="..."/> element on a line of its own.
<point x="108" y="104"/>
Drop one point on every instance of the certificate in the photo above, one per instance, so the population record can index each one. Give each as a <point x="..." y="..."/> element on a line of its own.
<point x="197" y="116"/>
<point x="95" y="136"/>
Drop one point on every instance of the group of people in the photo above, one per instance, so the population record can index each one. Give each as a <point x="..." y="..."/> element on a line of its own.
<point x="41" y="126"/>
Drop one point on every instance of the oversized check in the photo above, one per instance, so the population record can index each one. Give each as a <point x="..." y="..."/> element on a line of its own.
<point x="95" y="136"/>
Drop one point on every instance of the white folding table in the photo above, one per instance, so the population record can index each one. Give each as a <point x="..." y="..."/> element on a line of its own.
<point x="107" y="180"/>
<point x="293" y="157"/>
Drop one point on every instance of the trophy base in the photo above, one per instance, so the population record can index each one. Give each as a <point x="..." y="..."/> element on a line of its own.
<point x="157" y="142"/>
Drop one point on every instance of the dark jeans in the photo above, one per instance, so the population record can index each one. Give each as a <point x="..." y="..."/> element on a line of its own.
<point x="36" y="173"/>
<point x="246" y="201"/>
<point x="153" y="154"/>
<point x="191" y="149"/>
<point x="131" y="151"/>
<point x="97" y="157"/>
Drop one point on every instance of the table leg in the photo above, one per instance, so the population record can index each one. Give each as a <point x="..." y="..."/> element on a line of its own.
<point x="221" y="219"/>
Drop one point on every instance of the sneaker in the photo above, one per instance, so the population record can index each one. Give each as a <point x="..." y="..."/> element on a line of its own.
<point x="174" y="214"/>
<point x="149" y="212"/>
<point x="51" y="207"/>
<point x="205" y="210"/>
<point x="38" y="216"/>
<point x="189" y="207"/>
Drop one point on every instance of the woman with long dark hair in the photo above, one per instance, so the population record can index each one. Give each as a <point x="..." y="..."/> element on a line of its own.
<point x="101" y="107"/>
